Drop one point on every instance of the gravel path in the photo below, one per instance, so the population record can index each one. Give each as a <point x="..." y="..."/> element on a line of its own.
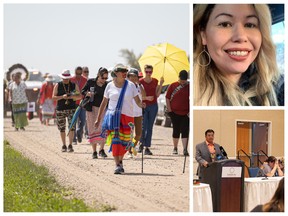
<point x="162" y="187"/>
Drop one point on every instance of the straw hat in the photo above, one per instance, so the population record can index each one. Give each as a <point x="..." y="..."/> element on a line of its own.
<point x="117" y="68"/>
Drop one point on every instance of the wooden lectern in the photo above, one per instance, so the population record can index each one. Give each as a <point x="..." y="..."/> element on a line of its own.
<point x="226" y="180"/>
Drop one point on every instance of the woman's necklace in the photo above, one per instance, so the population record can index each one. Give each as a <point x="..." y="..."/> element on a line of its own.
<point x="67" y="92"/>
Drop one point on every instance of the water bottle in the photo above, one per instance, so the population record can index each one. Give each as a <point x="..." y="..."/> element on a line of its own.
<point x="92" y="94"/>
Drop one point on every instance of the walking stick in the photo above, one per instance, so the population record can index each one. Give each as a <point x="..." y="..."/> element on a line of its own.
<point x="184" y="164"/>
<point x="142" y="158"/>
<point x="185" y="159"/>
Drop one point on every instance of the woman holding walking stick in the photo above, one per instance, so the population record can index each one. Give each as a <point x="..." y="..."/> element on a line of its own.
<point x="125" y="91"/>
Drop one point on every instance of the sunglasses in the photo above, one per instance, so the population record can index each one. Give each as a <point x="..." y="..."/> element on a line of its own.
<point x="121" y="70"/>
<point x="149" y="72"/>
<point x="85" y="71"/>
<point x="105" y="78"/>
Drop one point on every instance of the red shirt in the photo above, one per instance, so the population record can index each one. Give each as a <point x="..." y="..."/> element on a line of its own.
<point x="80" y="82"/>
<point x="150" y="89"/>
<point x="180" y="101"/>
<point x="46" y="92"/>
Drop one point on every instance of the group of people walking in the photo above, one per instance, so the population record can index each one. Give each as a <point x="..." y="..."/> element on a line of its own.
<point x="129" y="101"/>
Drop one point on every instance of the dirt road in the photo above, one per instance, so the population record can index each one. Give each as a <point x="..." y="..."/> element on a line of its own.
<point x="162" y="187"/>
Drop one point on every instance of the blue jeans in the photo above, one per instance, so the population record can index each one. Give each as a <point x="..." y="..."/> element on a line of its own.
<point x="149" y="116"/>
<point x="80" y="125"/>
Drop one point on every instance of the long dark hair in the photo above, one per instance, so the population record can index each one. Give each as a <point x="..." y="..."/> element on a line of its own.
<point x="276" y="204"/>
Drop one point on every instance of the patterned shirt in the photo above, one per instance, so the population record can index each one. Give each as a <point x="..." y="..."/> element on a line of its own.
<point x="18" y="93"/>
<point x="212" y="150"/>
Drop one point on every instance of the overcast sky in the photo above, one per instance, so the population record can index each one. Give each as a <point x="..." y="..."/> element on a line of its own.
<point x="53" y="37"/>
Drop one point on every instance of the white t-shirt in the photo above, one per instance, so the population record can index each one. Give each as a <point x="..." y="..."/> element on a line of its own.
<point x="136" y="109"/>
<point x="112" y="93"/>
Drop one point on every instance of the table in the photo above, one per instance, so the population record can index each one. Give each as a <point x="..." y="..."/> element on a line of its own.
<point x="202" y="198"/>
<point x="258" y="191"/>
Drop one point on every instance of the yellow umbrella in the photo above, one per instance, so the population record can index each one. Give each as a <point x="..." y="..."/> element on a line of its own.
<point x="167" y="61"/>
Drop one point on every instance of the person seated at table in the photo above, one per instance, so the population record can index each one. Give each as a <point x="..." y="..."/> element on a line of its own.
<point x="276" y="204"/>
<point x="271" y="167"/>
<point x="281" y="164"/>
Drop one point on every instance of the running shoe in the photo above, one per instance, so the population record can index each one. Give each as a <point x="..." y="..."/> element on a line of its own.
<point x="64" y="148"/>
<point x="147" y="151"/>
<point x="70" y="148"/>
<point x="94" y="155"/>
<point x="122" y="168"/>
<point x="102" y="153"/>
<point x="118" y="170"/>
<point x="185" y="152"/>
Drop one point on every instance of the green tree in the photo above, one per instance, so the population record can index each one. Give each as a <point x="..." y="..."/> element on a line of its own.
<point x="131" y="58"/>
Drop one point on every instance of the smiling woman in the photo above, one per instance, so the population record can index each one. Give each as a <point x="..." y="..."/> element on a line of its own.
<point x="234" y="56"/>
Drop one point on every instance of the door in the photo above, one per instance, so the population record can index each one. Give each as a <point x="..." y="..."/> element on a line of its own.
<point x="252" y="139"/>
<point x="259" y="142"/>
<point x="244" y="143"/>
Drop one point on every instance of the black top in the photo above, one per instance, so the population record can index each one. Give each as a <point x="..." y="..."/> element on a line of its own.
<point x="98" y="93"/>
<point x="248" y="79"/>
<point x="65" y="104"/>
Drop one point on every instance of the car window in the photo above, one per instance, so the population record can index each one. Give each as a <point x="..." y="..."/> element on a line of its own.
<point x="278" y="35"/>
<point x="35" y="76"/>
<point x="278" y="32"/>
<point x="164" y="89"/>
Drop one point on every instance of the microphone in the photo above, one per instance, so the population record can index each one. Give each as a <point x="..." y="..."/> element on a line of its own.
<point x="223" y="152"/>
<point x="219" y="157"/>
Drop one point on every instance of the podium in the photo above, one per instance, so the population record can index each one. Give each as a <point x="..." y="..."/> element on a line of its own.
<point x="226" y="180"/>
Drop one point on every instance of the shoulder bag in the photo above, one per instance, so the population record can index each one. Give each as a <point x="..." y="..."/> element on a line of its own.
<point x="111" y="119"/>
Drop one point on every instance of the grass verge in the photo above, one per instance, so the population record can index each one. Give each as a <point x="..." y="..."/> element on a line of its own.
<point x="30" y="188"/>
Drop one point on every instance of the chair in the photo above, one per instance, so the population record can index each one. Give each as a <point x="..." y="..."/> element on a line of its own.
<point x="253" y="171"/>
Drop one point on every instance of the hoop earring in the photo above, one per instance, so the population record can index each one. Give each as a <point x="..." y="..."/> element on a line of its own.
<point x="204" y="52"/>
